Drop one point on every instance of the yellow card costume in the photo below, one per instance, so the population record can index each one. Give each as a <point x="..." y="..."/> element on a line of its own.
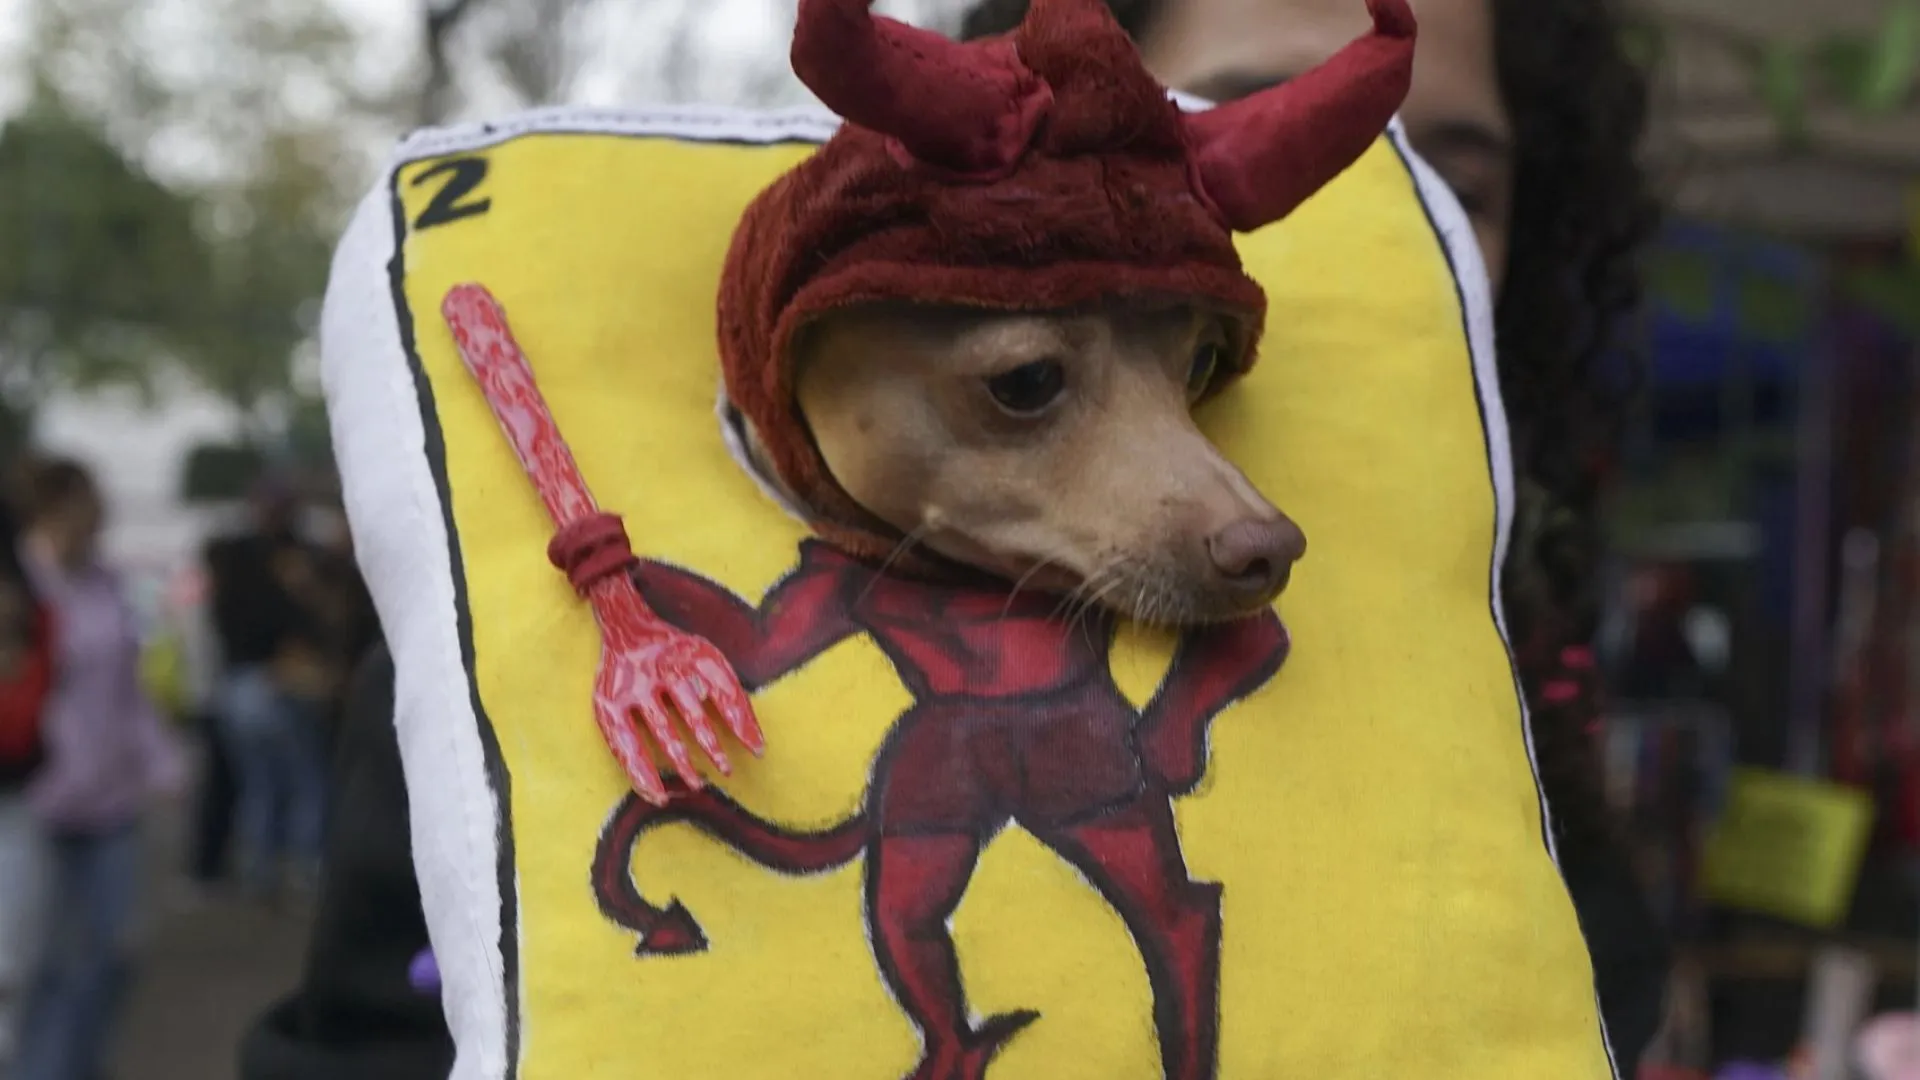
<point x="1353" y="878"/>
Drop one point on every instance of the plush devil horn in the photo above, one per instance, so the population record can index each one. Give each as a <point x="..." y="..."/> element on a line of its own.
<point x="1260" y="157"/>
<point x="1077" y="20"/>
<point x="969" y="108"/>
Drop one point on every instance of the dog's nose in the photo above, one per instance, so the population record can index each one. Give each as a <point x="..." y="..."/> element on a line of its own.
<point x="1257" y="557"/>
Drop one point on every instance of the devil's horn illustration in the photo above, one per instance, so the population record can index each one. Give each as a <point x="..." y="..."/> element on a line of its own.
<point x="966" y="107"/>
<point x="1262" y="156"/>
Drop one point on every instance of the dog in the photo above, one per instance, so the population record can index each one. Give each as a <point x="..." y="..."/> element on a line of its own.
<point x="1056" y="451"/>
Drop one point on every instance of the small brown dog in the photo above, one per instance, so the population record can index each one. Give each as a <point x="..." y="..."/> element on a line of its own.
<point x="980" y="315"/>
<point x="1057" y="451"/>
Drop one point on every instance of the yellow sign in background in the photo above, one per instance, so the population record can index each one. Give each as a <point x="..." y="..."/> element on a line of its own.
<point x="1787" y="846"/>
<point x="1390" y="906"/>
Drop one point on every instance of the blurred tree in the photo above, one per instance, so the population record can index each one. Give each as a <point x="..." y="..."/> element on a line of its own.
<point x="190" y="164"/>
<point x="442" y="20"/>
<point x="492" y="55"/>
<point x="238" y="161"/>
<point x="530" y="48"/>
<point x="220" y="472"/>
<point x="106" y="265"/>
<point x="1867" y="73"/>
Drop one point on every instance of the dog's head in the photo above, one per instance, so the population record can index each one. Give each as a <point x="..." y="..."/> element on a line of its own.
<point x="1058" y="451"/>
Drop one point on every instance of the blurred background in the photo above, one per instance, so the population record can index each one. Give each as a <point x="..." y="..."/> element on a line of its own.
<point x="173" y="174"/>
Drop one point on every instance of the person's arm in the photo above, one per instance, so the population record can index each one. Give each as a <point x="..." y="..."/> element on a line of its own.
<point x="163" y="763"/>
<point x="355" y="1014"/>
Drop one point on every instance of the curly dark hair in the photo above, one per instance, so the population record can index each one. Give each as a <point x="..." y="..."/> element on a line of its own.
<point x="1580" y="213"/>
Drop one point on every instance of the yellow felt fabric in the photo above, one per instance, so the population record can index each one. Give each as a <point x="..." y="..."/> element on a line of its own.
<point x="1390" y="907"/>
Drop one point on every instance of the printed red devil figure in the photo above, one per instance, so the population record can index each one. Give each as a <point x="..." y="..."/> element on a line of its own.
<point x="1015" y="720"/>
<point x="1042" y="171"/>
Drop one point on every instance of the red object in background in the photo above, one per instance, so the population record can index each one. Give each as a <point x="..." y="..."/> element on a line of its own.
<point x="1670" y="1072"/>
<point x="1663" y="594"/>
<point x="1903" y="817"/>
<point x="24" y="698"/>
<point x="1896" y="683"/>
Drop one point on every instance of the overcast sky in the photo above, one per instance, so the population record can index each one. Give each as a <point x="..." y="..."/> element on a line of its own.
<point x="11" y="20"/>
<point x="735" y="41"/>
<point x="136" y="449"/>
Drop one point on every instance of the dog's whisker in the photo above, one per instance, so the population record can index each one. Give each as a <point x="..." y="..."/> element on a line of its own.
<point x="1014" y="593"/>
<point x="1069" y="605"/>
<point x="906" y="544"/>
<point x="1124" y="574"/>
<point x="1115" y="582"/>
<point x="1158" y="604"/>
<point x="1106" y="583"/>
<point x="1077" y="600"/>
<point x="1065" y="607"/>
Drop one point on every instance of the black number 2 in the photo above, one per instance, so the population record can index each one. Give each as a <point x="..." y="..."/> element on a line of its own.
<point x="463" y="176"/>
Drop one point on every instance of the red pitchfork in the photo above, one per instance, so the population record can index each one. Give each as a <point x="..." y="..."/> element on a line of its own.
<point x="647" y="667"/>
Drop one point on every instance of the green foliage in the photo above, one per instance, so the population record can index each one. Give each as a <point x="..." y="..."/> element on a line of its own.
<point x="1887" y="80"/>
<point x="16" y="425"/>
<point x="1889" y="292"/>
<point x="1874" y="73"/>
<point x="1773" y="311"/>
<point x="1783" y="86"/>
<point x="140" y="259"/>
<point x="1841" y="62"/>
<point x="1644" y="40"/>
<point x="309" y="436"/>
<point x="106" y="265"/>
<point x="1682" y="280"/>
<point x="260" y="298"/>
<point x="217" y="472"/>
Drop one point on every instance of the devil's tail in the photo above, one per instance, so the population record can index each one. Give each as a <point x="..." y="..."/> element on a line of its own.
<point x="672" y="930"/>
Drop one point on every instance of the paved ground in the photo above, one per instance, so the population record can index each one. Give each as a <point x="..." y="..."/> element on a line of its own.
<point x="208" y="973"/>
<point x="208" y="969"/>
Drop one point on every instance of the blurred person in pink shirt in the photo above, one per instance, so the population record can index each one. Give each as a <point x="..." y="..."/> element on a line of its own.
<point x="107" y="759"/>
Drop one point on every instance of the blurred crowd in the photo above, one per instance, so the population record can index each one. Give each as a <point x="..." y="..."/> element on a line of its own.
<point x="90" y="745"/>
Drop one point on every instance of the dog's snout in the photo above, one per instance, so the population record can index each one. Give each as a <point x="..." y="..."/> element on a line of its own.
<point x="1257" y="557"/>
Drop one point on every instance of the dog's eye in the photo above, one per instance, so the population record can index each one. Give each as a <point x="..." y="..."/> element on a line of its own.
<point x="1206" y="364"/>
<point x="1029" y="388"/>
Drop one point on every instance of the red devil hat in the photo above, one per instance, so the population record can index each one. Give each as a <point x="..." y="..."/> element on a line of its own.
<point x="1044" y="169"/>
